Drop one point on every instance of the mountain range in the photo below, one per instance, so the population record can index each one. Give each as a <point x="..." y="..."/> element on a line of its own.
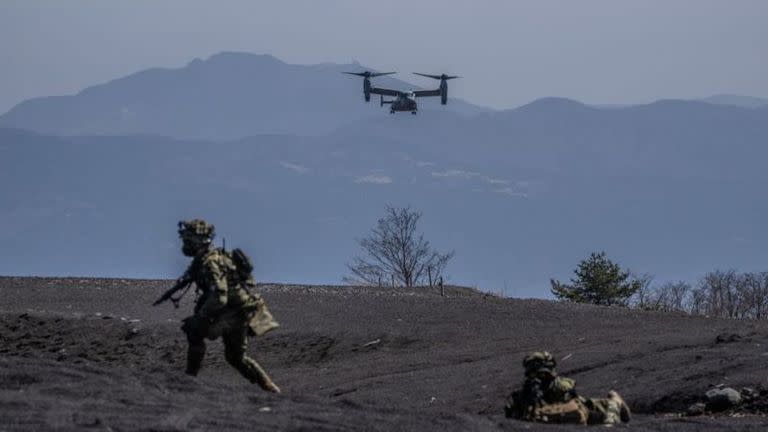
<point x="737" y="100"/>
<point x="673" y="188"/>
<point x="229" y="95"/>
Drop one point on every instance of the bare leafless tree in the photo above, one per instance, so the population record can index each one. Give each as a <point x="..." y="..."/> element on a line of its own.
<point x="396" y="253"/>
<point x="720" y="293"/>
<point x="643" y="297"/>
<point x="753" y="290"/>
<point x="698" y="301"/>
<point x="673" y="296"/>
<point x="723" y="296"/>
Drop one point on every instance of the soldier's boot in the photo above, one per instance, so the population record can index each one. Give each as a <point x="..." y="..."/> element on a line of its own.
<point x="624" y="413"/>
<point x="609" y="411"/>
<point x="195" y="355"/>
<point x="256" y="374"/>
<point x="605" y="411"/>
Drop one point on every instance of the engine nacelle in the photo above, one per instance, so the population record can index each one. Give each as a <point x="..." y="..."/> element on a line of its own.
<point x="367" y="89"/>
<point x="443" y="92"/>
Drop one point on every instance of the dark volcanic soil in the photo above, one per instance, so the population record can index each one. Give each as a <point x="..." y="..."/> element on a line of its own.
<point x="91" y="354"/>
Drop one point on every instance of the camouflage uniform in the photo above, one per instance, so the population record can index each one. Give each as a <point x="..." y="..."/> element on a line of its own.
<point x="225" y="308"/>
<point x="548" y="398"/>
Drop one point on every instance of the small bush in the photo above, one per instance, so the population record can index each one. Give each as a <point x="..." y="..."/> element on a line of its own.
<point x="598" y="281"/>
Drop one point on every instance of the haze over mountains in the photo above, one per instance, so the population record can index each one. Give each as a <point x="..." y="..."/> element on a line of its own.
<point x="736" y="100"/>
<point x="292" y="165"/>
<point x="229" y="95"/>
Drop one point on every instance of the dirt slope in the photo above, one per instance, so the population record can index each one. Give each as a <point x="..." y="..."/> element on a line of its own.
<point x="92" y="354"/>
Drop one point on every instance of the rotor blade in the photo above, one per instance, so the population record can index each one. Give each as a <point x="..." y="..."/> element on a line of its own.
<point x="437" y="77"/>
<point x="369" y="74"/>
<point x="428" y="76"/>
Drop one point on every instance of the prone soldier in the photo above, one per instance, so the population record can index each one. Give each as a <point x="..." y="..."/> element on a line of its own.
<point x="548" y="398"/>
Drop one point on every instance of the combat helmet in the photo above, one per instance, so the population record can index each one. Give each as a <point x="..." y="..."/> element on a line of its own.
<point x="195" y="233"/>
<point x="539" y="363"/>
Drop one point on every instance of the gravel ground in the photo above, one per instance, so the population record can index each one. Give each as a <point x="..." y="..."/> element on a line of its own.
<point x="92" y="354"/>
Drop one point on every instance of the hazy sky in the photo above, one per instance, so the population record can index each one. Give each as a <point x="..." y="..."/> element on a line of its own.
<point x="510" y="52"/>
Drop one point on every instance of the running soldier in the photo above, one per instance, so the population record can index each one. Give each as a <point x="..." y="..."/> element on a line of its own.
<point x="225" y="308"/>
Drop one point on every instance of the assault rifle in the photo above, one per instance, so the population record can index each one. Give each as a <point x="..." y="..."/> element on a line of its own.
<point x="182" y="283"/>
<point x="524" y="403"/>
<point x="532" y="398"/>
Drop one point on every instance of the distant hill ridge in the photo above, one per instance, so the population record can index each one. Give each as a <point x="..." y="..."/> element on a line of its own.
<point x="737" y="100"/>
<point x="232" y="95"/>
<point x="229" y="95"/>
<point x="673" y="188"/>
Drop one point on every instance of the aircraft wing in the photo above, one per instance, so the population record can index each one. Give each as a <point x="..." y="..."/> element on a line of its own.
<point x="424" y="93"/>
<point x="384" y="92"/>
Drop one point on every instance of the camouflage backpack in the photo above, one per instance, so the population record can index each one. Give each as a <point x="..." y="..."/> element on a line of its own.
<point x="243" y="266"/>
<point x="573" y="411"/>
<point x="261" y="320"/>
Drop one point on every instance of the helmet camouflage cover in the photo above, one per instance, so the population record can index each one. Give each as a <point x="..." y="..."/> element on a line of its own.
<point x="539" y="362"/>
<point x="196" y="230"/>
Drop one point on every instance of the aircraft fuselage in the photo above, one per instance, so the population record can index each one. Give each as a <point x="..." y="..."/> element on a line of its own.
<point x="406" y="101"/>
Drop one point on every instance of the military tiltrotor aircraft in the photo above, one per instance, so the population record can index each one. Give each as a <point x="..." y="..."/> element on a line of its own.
<point x="403" y="100"/>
